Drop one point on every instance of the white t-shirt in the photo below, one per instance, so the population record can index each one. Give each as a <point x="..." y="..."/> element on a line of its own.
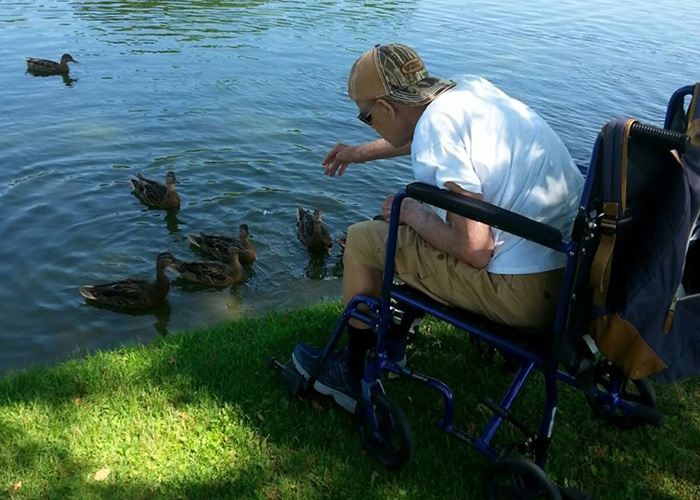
<point x="491" y="144"/>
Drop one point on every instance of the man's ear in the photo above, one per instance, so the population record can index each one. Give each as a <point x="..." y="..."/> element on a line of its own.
<point x="388" y="107"/>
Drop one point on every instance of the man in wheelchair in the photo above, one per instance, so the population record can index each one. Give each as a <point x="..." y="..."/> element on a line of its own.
<point x="468" y="137"/>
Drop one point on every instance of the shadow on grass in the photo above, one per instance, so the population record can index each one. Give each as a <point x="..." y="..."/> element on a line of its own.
<point x="311" y="450"/>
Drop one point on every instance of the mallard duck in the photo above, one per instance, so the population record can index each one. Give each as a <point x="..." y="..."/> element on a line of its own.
<point x="217" y="245"/>
<point x="133" y="293"/>
<point x="46" y="67"/>
<point x="312" y="232"/>
<point x="211" y="273"/>
<point x="153" y="194"/>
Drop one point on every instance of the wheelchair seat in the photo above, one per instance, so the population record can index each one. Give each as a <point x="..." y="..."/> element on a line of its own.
<point x="534" y="343"/>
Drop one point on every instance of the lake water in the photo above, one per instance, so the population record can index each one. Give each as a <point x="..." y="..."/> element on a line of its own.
<point x="242" y="99"/>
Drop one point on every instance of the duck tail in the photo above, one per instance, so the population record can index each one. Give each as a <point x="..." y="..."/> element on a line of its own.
<point x="174" y="267"/>
<point x="195" y="239"/>
<point x="87" y="291"/>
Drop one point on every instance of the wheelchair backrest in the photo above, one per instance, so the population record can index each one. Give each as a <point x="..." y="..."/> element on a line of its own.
<point x="645" y="203"/>
<point x="679" y="114"/>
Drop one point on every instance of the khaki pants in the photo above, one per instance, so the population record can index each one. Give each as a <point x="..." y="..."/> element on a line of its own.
<point x="524" y="301"/>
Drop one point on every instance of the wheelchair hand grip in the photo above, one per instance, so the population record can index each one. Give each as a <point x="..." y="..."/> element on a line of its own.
<point x="667" y="138"/>
<point x="487" y="213"/>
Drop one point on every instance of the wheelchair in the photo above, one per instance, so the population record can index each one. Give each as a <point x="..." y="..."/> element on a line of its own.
<point x="567" y="354"/>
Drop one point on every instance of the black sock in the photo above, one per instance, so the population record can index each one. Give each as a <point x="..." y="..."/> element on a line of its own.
<point x="396" y="332"/>
<point x="360" y="340"/>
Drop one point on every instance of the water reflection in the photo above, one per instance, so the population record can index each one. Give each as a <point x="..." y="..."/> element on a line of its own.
<point x="234" y="302"/>
<point x="161" y="314"/>
<point x="68" y="80"/>
<point x="193" y="20"/>
<point x="316" y="268"/>
<point x="172" y="223"/>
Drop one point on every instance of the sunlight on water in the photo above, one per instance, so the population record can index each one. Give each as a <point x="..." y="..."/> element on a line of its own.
<point x="242" y="99"/>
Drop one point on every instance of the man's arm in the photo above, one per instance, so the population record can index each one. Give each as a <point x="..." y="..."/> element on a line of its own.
<point x="465" y="239"/>
<point x="342" y="155"/>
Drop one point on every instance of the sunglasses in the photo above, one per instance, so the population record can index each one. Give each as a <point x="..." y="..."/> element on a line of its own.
<point x="366" y="118"/>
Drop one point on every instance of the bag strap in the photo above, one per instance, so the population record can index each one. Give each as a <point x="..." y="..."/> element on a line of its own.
<point x="693" y="107"/>
<point x="615" y="136"/>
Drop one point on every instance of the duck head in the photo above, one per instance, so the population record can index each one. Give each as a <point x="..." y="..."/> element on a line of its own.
<point x="243" y="232"/>
<point x="170" y="179"/>
<point x="164" y="259"/>
<point x="66" y="58"/>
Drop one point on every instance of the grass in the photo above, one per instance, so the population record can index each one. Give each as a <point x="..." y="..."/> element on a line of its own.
<point x="199" y="415"/>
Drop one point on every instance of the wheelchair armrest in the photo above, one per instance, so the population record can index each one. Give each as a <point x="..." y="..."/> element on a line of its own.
<point x="481" y="211"/>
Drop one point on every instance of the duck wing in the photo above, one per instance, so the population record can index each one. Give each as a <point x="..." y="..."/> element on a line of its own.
<point x="216" y="245"/>
<point x="150" y="193"/>
<point x="42" y="65"/>
<point x="205" y="272"/>
<point x="305" y="225"/>
<point x="129" y="293"/>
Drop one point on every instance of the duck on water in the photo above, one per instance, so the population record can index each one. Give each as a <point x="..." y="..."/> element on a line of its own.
<point x="47" y="67"/>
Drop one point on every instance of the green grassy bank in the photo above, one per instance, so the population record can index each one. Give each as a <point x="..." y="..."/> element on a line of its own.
<point x="199" y="415"/>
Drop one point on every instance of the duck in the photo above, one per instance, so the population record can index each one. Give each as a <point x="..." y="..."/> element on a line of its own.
<point x="217" y="245"/>
<point x="312" y="232"/>
<point x="153" y="194"/>
<point x="211" y="273"/>
<point x="47" y="67"/>
<point x="133" y="293"/>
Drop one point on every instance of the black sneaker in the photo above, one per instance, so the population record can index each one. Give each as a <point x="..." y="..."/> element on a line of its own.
<point x="306" y="357"/>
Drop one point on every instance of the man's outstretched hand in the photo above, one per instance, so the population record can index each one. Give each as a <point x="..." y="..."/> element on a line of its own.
<point x="339" y="157"/>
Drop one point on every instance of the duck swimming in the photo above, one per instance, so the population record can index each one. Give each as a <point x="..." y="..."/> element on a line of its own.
<point x="47" y="67"/>
<point x="312" y="232"/>
<point x="133" y="293"/>
<point x="211" y="273"/>
<point x="154" y="194"/>
<point x="217" y="245"/>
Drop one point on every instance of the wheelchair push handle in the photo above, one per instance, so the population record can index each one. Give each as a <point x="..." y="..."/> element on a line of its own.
<point x="667" y="138"/>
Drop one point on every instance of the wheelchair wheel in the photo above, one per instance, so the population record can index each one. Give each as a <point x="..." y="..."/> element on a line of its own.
<point x="634" y="391"/>
<point x="517" y="478"/>
<point x="393" y="446"/>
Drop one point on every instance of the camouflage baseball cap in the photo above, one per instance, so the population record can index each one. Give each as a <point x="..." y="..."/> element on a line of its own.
<point x="394" y="72"/>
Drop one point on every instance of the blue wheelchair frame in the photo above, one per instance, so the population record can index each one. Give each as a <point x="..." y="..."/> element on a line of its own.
<point x="675" y="104"/>
<point x="566" y="347"/>
<point x="379" y="315"/>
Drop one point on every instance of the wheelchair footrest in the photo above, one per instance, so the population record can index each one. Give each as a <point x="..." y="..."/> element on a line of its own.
<point x="290" y="378"/>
